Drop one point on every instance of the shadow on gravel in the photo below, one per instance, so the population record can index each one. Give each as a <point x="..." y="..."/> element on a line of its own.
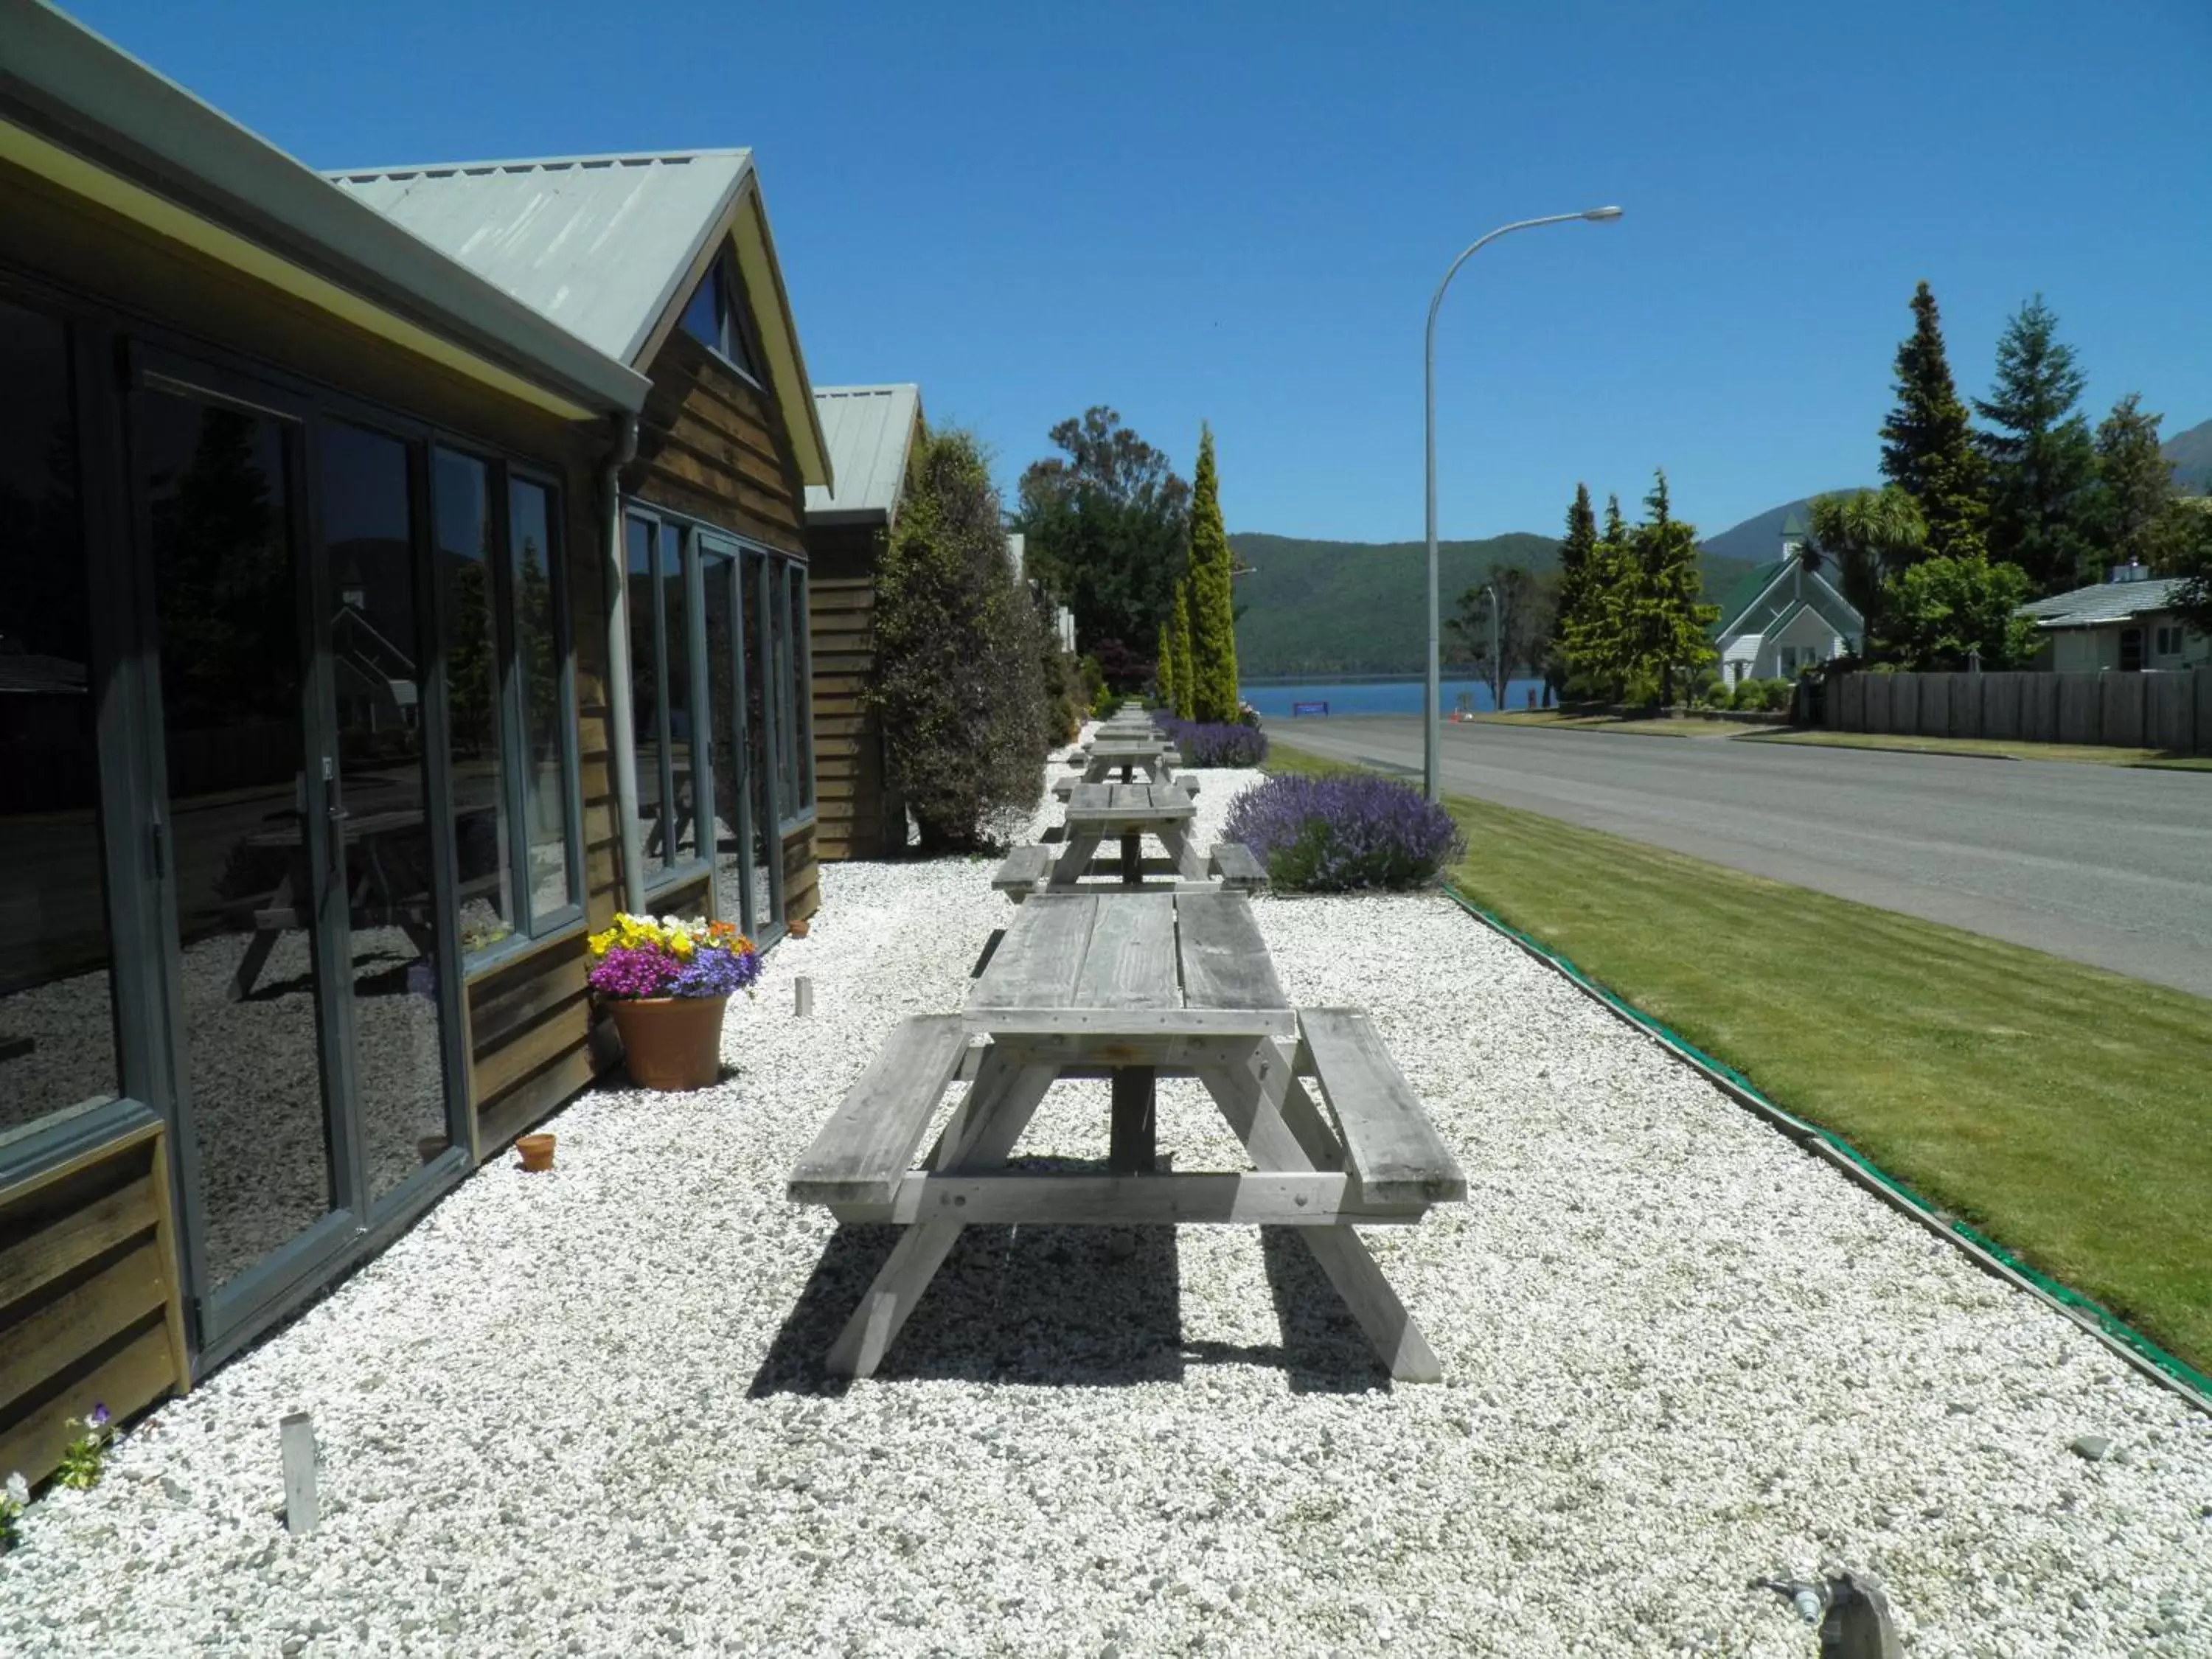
<point x="1060" y="1307"/>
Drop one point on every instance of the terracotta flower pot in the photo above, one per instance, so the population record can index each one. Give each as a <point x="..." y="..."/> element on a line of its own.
<point x="537" y="1153"/>
<point x="797" y="929"/>
<point x="671" y="1042"/>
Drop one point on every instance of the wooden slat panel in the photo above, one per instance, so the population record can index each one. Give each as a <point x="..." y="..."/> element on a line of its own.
<point x="1393" y="1148"/>
<point x="1225" y="960"/>
<point x="556" y="1030"/>
<point x="126" y="1383"/>
<point x="498" y="1121"/>
<point x="493" y="1020"/>
<point x="76" y="1238"/>
<point x="869" y="1142"/>
<point x="1037" y="962"/>
<point x="58" y="1332"/>
<point x="1130" y="959"/>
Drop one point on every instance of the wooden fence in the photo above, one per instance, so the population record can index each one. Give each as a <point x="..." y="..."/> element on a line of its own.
<point x="2157" y="710"/>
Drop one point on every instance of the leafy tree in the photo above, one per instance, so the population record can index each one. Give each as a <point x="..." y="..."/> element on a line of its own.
<point x="1524" y="625"/>
<point x="1105" y="524"/>
<point x="1179" y="642"/>
<point x="1595" y="638"/>
<point x="958" y="677"/>
<point x="1165" y="675"/>
<point x="1940" y="609"/>
<point x="2186" y="551"/>
<point x="1578" y="562"/>
<point x="1212" y="612"/>
<point x="1928" y="446"/>
<point x="1868" y="536"/>
<point x="2042" y="460"/>
<point x="2137" y="482"/>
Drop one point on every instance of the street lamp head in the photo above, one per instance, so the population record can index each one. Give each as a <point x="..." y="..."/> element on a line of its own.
<point x="1595" y="214"/>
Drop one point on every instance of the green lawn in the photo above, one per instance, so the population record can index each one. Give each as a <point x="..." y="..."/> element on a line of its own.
<point x="2065" y="1111"/>
<point x="2085" y="753"/>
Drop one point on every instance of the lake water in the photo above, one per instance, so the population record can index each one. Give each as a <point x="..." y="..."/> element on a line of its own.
<point x="1383" y="696"/>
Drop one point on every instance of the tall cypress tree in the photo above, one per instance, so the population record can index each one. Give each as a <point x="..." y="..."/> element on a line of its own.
<point x="1927" y="443"/>
<point x="1597" y="638"/>
<point x="1577" y="569"/>
<point x="1180" y="644"/>
<point x="1666" y="623"/>
<point x="1213" y="613"/>
<point x="1164" y="674"/>
<point x="2042" y="462"/>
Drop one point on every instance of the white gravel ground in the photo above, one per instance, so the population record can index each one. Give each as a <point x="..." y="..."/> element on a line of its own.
<point x="583" y="1413"/>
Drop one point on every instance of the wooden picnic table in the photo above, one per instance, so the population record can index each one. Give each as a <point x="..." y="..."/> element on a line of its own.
<point x="1134" y="987"/>
<point x="1130" y="812"/>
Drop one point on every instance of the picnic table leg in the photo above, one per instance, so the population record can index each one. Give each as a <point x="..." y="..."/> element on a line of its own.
<point x="263" y="942"/>
<point x="1132" y="860"/>
<point x="1082" y="845"/>
<point x="1283" y="1130"/>
<point x="1133" y="1138"/>
<point x="1184" y="852"/>
<point x="1000" y="1104"/>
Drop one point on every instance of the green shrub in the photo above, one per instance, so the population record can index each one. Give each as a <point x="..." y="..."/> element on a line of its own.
<point x="1104" y="702"/>
<point x="959" y="677"/>
<point x="1750" y="696"/>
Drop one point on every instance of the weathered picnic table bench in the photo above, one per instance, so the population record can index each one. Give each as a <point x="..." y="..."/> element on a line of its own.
<point x="1026" y="869"/>
<point x="1135" y="987"/>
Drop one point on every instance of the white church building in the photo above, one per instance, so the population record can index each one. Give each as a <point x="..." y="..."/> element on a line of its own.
<point x="1785" y="617"/>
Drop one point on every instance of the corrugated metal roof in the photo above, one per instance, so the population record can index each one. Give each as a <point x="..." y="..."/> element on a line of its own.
<point x="869" y="430"/>
<point x="2107" y="602"/>
<point x="596" y="243"/>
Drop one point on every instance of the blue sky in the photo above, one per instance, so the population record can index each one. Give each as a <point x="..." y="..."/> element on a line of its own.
<point x="1237" y="213"/>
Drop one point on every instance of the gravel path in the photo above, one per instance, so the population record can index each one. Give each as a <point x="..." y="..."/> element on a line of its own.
<point x="583" y="1413"/>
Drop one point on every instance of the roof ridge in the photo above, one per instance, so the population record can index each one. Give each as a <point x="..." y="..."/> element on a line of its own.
<point x="520" y="164"/>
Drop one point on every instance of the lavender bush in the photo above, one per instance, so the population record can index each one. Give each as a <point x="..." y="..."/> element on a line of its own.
<point x="1217" y="742"/>
<point x="1343" y="833"/>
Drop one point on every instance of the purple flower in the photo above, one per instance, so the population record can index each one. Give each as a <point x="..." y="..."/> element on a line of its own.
<point x="1213" y="744"/>
<point x="632" y="971"/>
<point x="1341" y="833"/>
<point x="715" y="970"/>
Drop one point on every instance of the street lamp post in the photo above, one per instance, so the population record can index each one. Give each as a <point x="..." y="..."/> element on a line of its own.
<point x="1432" y="782"/>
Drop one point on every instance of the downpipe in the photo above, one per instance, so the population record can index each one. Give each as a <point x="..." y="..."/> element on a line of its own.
<point x="623" y="744"/>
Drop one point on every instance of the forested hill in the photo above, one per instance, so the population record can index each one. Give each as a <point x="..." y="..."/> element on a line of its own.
<point x="1362" y="607"/>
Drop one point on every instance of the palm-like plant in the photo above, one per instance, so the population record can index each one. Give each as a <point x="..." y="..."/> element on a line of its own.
<point x="1870" y="535"/>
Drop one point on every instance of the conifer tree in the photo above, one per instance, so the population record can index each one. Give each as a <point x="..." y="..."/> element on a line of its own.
<point x="2042" y="460"/>
<point x="1577" y="567"/>
<point x="2136" y="483"/>
<point x="1597" y="638"/>
<point x="1927" y="444"/>
<point x="1180" y="646"/>
<point x="1164" y="674"/>
<point x="1212" y="612"/>
<point x="1666" y="623"/>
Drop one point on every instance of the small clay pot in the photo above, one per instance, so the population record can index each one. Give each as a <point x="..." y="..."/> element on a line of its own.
<point x="431" y="1148"/>
<point x="798" y="929"/>
<point x="537" y="1153"/>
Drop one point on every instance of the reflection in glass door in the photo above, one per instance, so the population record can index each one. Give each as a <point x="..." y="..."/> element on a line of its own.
<point x="243" y="819"/>
<point x="377" y="656"/>
<point x="765" y="873"/>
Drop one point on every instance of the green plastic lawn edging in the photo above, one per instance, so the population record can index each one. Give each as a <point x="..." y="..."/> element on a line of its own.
<point x="2186" y="1378"/>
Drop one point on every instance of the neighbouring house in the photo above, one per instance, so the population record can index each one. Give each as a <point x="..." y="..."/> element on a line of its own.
<point x="1785" y="617"/>
<point x="2126" y="621"/>
<point x="871" y="431"/>
<point x="374" y="622"/>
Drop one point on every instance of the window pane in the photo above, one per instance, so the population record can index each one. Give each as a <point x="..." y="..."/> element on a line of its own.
<point x="675" y="625"/>
<point x="538" y="641"/>
<point x="368" y="539"/>
<point x="702" y="318"/>
<point x="730" y="896"/>
<point x="57" y="1022"/>
<point x="464" y="531"/>
<point x="760" y="743"/>
<point x="645" y="691"/>
<point x="802" y="697"/>
<point x="218" y="485"/>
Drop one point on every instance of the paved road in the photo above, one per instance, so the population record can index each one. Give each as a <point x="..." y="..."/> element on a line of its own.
<point x="2107" y="864"/>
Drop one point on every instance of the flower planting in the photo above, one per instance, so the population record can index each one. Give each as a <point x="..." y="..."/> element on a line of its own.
<point x="642" y="957"/>
<point x="87" y="1455"/>
<point x="1342" y="834"/>
<point x="1217" y="742"/>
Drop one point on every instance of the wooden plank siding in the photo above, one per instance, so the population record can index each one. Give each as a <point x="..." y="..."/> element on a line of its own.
<point x="859" y="815"/>
<point x="711" y="445"/>
<point x="91" y="1300"/>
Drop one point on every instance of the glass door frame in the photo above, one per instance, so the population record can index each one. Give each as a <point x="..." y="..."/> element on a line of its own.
<point x="224" y="1317"/>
